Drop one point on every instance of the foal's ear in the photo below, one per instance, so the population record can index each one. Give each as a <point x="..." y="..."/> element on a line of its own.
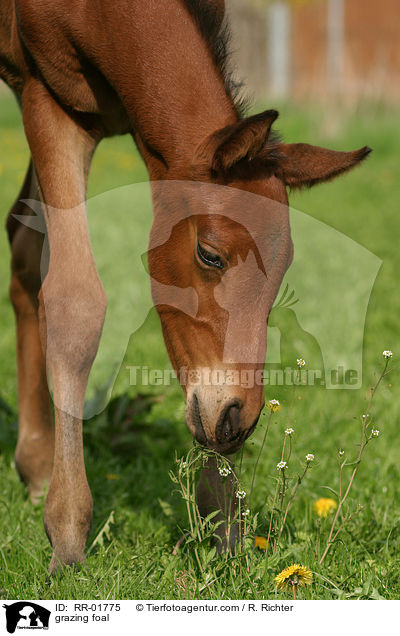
<point x="302" y="165"/>
<point x="242" y="140"/>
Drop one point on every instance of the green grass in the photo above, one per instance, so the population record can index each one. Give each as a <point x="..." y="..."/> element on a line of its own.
<point x="131" y="446"/>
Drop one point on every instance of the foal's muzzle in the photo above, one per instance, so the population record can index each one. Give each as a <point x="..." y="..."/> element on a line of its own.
<point x="230" y="430"/>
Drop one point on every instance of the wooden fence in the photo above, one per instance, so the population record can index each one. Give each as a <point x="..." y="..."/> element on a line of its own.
<point x="349" y="49"/>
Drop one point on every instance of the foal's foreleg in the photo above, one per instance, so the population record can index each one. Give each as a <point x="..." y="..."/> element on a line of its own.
<point x="219" y="493"/>
<point x="35" y="447"/>
<point x="72" y="307"/>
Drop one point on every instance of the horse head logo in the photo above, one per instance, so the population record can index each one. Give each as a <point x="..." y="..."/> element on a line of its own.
<point x="25" y="614"/>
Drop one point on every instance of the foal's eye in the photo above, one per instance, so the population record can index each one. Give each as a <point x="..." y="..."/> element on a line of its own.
<point x="209" y="258"/>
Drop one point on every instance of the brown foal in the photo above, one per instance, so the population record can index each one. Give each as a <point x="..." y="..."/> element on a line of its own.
<point x="86" y="69"/>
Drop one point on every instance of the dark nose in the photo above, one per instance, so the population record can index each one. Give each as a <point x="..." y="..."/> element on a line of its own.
<point x="228" y="427"/>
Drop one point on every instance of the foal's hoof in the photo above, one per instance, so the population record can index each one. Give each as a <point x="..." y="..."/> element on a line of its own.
<point x="58" y="565"/>
<point x="37" y="486"/>
<point x="37" y="492"/>
<point x="34" y="464"/>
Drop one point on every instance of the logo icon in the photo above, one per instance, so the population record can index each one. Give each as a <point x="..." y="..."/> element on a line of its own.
<point x="26" y="615"/>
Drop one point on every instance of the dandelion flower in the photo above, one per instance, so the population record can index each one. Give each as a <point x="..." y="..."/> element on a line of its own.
<point x="241" y="494"/>
<point x="281" y="466"/>
<point x="309" y="457"/>
<point x="387" y="354"/>
<point x="224" y="471"/>
<point x="274" y="405"/>
<point x="261" y="543"/>
<point x="289" y="431"/>
<point x="374" y="433"/>
<point x="292" y="577"/>
<point x="301" y="363"/>
<point x="324" y="506"/>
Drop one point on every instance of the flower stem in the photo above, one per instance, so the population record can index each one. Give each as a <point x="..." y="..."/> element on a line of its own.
<point x="289" y="503"/>
<point x="259" y="456"/>
<point x="271" y="518"/>
<point x="363" y="444"/>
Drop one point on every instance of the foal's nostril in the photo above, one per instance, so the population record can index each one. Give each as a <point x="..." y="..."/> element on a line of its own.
<point x="229" y="426"/>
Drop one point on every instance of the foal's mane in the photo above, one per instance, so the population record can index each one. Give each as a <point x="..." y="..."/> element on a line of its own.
<point x="218" y="41"/>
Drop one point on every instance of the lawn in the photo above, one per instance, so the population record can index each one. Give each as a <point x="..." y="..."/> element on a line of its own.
<point x="131" y="446"/>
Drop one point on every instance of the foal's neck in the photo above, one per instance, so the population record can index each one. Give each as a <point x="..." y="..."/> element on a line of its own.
<point x="165" y="74"/>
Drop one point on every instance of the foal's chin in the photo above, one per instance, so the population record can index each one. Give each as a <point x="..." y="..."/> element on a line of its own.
<point x="223" y="449"/>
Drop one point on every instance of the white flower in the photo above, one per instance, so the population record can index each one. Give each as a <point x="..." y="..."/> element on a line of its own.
<point x="387" y="354"/>
<point x="341" y="453"/>
<point x="246" y="513"/>
<point x="241" y="494"/>
<point x="224" y="471"/>
<point x="281" y="466"/>
<point x="309" y="457"/>
<point x="374" y="433"/>
<point x="273" y="405"/>
<point x="289" y="431"/>
<point x="301" y="362"/>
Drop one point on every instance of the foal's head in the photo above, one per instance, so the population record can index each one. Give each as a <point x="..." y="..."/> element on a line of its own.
<point x="221" y="244"/>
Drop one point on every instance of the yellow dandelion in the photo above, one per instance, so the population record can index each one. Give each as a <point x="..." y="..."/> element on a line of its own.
<point x="293" y="577"/>
<point x="324" y="506"/>
<point x="260" y="542"/>
<point x="274" y="405"/>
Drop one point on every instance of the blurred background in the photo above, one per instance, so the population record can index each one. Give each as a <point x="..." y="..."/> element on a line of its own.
<point x="318" y="49"/>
